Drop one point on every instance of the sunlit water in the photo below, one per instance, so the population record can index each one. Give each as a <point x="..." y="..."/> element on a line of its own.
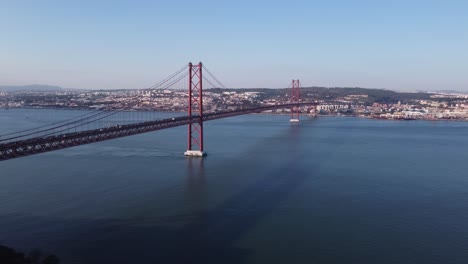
<point x="330" y="190"/>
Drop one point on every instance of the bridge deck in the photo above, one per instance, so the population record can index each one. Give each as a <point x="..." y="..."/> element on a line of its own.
<point x="38" y="145"/>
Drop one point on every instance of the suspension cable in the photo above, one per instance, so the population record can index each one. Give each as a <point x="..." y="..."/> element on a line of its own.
<point x="92" y="116"/>
<point x="51" y="124"/>
<point x="52" y="128"/>
<point x="214" y="78"/>
<point x="159" y="84"/>
<point x="111" y="113"/>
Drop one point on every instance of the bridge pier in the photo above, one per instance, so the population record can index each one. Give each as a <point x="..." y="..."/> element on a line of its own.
<point x="194" y="153"/>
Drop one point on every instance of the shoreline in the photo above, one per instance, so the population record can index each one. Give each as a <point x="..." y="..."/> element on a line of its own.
<point x="262" y="113"/>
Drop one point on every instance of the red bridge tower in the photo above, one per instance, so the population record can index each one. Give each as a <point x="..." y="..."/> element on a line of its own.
<point x="295" y="100"/>
<point x="195" y="109"/>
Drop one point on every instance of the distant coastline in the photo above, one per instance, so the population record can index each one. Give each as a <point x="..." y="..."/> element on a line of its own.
<point x="262" y="113"/>
<point x="371" y="103"/>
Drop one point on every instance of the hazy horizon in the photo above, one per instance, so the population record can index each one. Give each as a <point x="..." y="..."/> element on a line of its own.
<point x="42" y="86"/>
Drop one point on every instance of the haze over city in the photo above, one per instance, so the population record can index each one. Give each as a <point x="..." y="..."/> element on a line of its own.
<point x="397" y="45"/>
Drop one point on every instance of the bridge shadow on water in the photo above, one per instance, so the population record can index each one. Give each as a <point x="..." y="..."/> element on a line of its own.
<point x="207" y="237"/>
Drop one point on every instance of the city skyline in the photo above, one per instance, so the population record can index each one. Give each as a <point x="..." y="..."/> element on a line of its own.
<point x="113" y="45"/>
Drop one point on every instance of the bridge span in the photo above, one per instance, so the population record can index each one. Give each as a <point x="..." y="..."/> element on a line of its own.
<point x="39" y="145"/>
<point x="31" y="143"/>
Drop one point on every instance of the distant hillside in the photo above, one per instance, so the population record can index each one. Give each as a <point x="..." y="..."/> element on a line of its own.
<point x="374" y="95"/>
<point x="450" y="92"/>
<point x="322" y="93"/>
<point x="32" y="88"/>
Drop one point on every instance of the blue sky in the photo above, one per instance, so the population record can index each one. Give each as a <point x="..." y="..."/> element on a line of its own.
<point x="398" y="45"/>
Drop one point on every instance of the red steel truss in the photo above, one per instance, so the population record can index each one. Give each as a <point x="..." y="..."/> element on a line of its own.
<point x="195" y="107"/>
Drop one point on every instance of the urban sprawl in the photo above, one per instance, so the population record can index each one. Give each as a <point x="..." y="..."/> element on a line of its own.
<point x="371" y="103"/>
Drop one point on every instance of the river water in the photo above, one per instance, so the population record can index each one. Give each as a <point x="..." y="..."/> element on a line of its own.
<point x="329" y="190"/>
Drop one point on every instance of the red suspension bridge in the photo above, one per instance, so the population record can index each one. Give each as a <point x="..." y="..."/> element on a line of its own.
<point x="105" y="124"/>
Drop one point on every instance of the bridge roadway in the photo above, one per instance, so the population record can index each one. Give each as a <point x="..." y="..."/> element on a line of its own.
<point x="37" y="145"/>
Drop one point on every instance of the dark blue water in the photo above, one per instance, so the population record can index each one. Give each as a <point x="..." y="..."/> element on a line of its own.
<point x="331" y="190"/>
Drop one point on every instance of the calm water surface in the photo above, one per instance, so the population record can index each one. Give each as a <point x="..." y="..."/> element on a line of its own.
<point x="331" y="190"/>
